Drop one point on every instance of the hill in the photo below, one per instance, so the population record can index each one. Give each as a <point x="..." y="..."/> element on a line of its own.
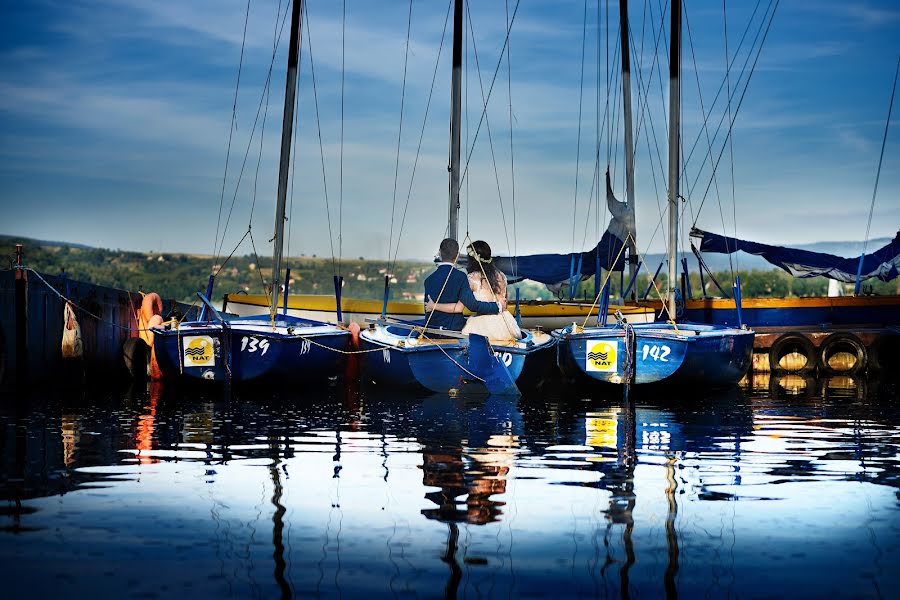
<point x="181" y="276"/>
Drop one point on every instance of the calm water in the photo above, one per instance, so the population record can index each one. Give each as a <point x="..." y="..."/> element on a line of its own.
<point x="787" y="489"/>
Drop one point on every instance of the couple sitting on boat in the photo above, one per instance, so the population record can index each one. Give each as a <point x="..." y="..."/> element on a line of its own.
<point x="448" y="291"/>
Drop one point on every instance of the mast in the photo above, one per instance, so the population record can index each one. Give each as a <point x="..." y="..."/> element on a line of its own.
<point x="629" y="143"/>
<point x="287" y="130"/>
<point x="674" y="158"/>
<point x="455" y="113"/>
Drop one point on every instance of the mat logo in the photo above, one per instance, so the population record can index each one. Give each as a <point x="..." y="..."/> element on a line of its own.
<point x="198" y="351"/>
<point x="601" y="356"/>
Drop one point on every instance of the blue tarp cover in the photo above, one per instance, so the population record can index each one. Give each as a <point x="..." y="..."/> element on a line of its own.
<point x="553" y="269"/>
<point x="882" y="263"/>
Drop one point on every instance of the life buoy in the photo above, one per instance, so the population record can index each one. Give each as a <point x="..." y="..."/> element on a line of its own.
<point x="842" y="342"/>
<point x="788" y="344"/>
<point x="884" y="354"/>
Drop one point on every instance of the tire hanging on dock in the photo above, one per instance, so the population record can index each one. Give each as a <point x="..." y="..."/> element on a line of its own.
<point x="842" y="342"/>
<point x="884" y="354"/>
<point x="788" y="344"/>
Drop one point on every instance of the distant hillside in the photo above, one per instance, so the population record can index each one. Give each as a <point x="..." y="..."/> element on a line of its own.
<point x="181" y="276"/>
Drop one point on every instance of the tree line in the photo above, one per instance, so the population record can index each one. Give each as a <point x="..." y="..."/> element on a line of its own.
<point x="180" y="276"/>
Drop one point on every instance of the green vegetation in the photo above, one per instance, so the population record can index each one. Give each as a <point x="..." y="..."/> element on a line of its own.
<point x="180" y="276"/>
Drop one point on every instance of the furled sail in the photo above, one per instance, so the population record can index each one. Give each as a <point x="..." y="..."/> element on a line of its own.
<point x="555" y="270"/>
<point x="882" y="263"/>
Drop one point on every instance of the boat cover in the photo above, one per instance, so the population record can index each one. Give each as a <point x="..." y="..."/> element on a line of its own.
<point x="882" y="263"/>
<point x="555" y="270"/>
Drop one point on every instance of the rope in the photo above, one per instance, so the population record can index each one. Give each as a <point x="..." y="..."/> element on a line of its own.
<point x="881" y="156"/>
<point x="738" y="108"/>
<point x="89" y="313"/>
<point x="393" y="262"/>
<point x="490" y="137"/>
<point x="231" y="129"/>
<point x="250" y="141"/>
<point x="312" y="68"/>
<point x="400" y="129"/>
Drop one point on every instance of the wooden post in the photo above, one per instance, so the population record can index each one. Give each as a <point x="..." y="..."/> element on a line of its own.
<point x="21" y="320"/>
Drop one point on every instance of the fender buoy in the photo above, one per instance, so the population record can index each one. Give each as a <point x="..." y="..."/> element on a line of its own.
<point x="790" y="343"/>
<point x="791" y="387"/>
<point x="884" y="353"/>
<point x="838" y="343"/>
<point x="136" y="353"/>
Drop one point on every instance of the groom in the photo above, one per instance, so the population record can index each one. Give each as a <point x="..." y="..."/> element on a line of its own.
<point x="455" y="286"/>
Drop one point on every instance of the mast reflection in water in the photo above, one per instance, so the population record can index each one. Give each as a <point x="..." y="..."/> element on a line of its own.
<point x="791" y="487"/>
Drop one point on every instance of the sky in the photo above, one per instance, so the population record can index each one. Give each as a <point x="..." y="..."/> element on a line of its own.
<point x="116" y="123"/>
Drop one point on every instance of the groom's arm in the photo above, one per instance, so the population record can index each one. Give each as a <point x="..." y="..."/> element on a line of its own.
<point x="483" y="308"/>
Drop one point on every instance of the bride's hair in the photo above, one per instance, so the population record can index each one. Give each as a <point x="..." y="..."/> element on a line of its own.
<point x="481" y="261"/>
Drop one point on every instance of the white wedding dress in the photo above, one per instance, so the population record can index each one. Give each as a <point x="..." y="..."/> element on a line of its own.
<point x="497" y="328"/>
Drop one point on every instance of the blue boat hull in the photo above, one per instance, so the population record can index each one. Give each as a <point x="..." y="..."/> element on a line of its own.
<point x="697" y="354"/>
<point x="448" y="366"/>
<point x="246" y="351"/>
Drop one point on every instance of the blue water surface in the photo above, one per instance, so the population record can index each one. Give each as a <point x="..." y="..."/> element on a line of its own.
<point x="784" y="489"/>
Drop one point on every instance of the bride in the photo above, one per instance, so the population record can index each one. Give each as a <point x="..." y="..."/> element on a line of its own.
<point x="488" y="285"/>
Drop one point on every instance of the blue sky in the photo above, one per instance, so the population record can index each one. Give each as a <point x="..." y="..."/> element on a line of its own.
<point x="115" y="116"/>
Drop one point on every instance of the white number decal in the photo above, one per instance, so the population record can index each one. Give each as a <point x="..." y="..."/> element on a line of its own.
<point x="386" y="355"/>
<point x="252" y="344"/>
<point x="304" y="347"/>
<point x="506" y="357"/>
<point x="656" y="352"/>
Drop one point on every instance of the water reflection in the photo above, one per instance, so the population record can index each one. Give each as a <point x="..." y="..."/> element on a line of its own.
<point x="344" y="493"/>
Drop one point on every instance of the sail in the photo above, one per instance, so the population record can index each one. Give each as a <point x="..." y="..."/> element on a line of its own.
<point x="555" y="270"/>
<point x="882" y="263"/>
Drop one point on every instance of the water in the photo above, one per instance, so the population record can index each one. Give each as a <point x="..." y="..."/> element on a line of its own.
<point x="787" y="489"/>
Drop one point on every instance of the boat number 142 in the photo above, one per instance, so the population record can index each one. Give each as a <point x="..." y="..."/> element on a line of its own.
<point x="656" y="352"/>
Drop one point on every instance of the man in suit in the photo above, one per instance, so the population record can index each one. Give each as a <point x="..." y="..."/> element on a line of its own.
<point x="450" y="285"/>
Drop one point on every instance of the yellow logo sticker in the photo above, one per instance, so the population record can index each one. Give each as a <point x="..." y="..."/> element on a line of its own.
<point x="601" y="356"/>
<point x="198" y="351"/>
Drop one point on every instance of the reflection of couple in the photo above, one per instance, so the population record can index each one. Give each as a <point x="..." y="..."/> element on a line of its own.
<point x="483" y="292"/>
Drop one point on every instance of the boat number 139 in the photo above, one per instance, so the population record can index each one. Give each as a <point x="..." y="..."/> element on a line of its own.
<point x="253" y="344"/>
<point x="656" y="352"/>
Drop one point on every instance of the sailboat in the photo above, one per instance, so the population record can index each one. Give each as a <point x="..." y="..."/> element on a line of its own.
<point x="276" y="346"/>
<point x="666" y="352"/>
<point x="412" y="354"/>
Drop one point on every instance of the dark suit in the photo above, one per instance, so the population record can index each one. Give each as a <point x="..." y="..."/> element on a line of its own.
<point x="456" y="289"/>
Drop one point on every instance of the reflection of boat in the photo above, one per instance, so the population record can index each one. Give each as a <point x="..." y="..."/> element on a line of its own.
<point x="645" y="353"/>
<point x="216" y="347"/>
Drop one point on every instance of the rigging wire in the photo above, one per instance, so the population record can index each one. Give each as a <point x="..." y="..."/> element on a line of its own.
<point x="400" y="129"/>
<point x="740" y="103"/>
<point x="312" y="70"/>
<point x="887" y="124"/>
<point x="341" y="168"/>
<point x="488" y="127"/>
<point x="512" y="160"/>
<point x="706" y="129"/>
<point x="731" y="145"/>
<point x="578" y="138"/>
<point x="490" y="91"/>
<point x="252" y="134"/>
<point x="422" y="133"/>
<point x="231" y="134"/>
<point x="753" y="45"/>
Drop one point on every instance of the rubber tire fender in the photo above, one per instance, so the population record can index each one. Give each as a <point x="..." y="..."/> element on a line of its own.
<point x="884" y="354"/>
<point x="790" y="342"/>
<point x="136" y="354"/>
<point x="843" y="341"/>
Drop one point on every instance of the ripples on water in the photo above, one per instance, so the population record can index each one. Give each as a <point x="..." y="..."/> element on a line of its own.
<point x="787" y="489"/>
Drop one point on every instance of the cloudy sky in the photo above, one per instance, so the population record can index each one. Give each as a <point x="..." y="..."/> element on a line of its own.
<point x="115" y="120"/>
